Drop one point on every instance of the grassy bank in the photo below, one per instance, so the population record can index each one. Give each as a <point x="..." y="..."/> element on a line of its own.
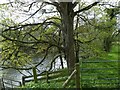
<point x="103" y="74"/>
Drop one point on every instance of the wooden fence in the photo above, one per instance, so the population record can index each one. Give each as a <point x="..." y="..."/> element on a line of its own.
<point x="54" y="74"/>
<point x="75" y="73"/>
<point x="84" y="76"/>
<point x="102" y="73"/>
<point x="1" y="84"/>
<point x="8" y="83"/>
<point x="43" y="76"/>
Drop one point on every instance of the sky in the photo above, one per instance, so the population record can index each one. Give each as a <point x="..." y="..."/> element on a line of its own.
<point x="4" y="1"/>
<point x="21" y="18"/>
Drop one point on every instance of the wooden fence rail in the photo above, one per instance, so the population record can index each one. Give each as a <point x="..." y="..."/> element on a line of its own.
<point x="78" y="72"/>
<point x="4" y="82"/>
<point x="75" y="73"/>
<point x="69" y="78"/>
<point x="47" y="75"/>
<point x="108" y="74"/>
<point x="1" y="84"/>
<point x="100" y="61"/>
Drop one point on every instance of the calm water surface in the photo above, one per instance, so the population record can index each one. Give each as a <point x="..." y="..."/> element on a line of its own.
<point x="16" y="75"/>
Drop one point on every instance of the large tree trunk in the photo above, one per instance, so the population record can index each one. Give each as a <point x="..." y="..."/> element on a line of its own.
<point x="107" y="43"/>
<point x="67" y="15"/>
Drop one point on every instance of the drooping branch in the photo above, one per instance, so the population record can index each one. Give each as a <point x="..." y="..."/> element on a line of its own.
<point x="17" y="68"/>
<point x="33" y="14"/>
<point x="46" y="53"/>
<point x="106" y="3"/>
<point x="53" y="3"/>
<point x="7" y="3"/>
<point x="25" y="42"/>
<point x="51" y="64"/>
<point x="27" y="68"/>
<point x="88" y="41"/>
<point x="75" y="4"/>
<point x="86" y="8"/>
<point x="20" y="26"/>
<point x="30" y="6"/>
<point x="90" y="23"/>
<point x="34" y="24"/>
<point x="21" y="73"/>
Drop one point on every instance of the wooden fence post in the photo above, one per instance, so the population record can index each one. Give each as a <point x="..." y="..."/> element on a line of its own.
<point x="35" y="74"/>
<point x="69" y="78"/>
<point x="20" y="84"/>
<point x="47" y="76"/>
<point x="11" y="83"/>
<point x="23" y="80"/>
<point x="77" y="66"/>
<point x="1" y="84"/>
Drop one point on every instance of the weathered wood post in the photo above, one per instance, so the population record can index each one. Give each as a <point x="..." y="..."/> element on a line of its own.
<point x="11" y="83"/>
<point x="35" y="75"/>
<point x="20" y="84"/>
<point x="77" y="76"/>
<point x="23" y="80"/>
<point x="1" y="85"/>
<point x="69" y="78"/>
<point x="47" y="77"/>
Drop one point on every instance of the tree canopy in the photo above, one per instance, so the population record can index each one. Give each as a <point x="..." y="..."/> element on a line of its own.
<point x="73" y="30"/>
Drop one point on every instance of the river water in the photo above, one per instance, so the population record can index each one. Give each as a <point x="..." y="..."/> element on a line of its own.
<point x="16" y="75"/>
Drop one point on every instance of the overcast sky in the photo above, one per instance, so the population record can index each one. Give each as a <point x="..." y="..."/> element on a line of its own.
<point x="24" y="17"/>
<point x="4" y="1"/>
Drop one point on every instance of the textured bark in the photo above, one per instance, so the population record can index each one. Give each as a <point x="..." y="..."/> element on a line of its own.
<point x="67" y="15"/>
<point x="107" y="44"/>
<point x="66" y="10"/>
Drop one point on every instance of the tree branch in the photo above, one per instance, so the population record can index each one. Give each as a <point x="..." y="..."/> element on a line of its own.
<point x="86" y="8"/>
<point x="102" y="4"/>
<point x="33" y="14"/>
<point x="52" y="3"/>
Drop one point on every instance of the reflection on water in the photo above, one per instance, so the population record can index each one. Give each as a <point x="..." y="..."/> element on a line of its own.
<point x="15" y="75"/>
<point x="11" y="74"/>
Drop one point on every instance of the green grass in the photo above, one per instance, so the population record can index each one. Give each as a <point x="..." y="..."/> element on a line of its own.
<point x="51" y="84"/>
<point x="43" y="84"/>
<point x="89" y="78"/>
<point x="98" y="78"/>
<point x="114" y="53"/>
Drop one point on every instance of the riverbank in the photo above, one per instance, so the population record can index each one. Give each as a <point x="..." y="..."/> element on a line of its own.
<point x="16" y="75"/>
<point x="105" y="74"/>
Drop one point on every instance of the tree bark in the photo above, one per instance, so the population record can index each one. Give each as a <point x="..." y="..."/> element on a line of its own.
<point x="67" y="14"/>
